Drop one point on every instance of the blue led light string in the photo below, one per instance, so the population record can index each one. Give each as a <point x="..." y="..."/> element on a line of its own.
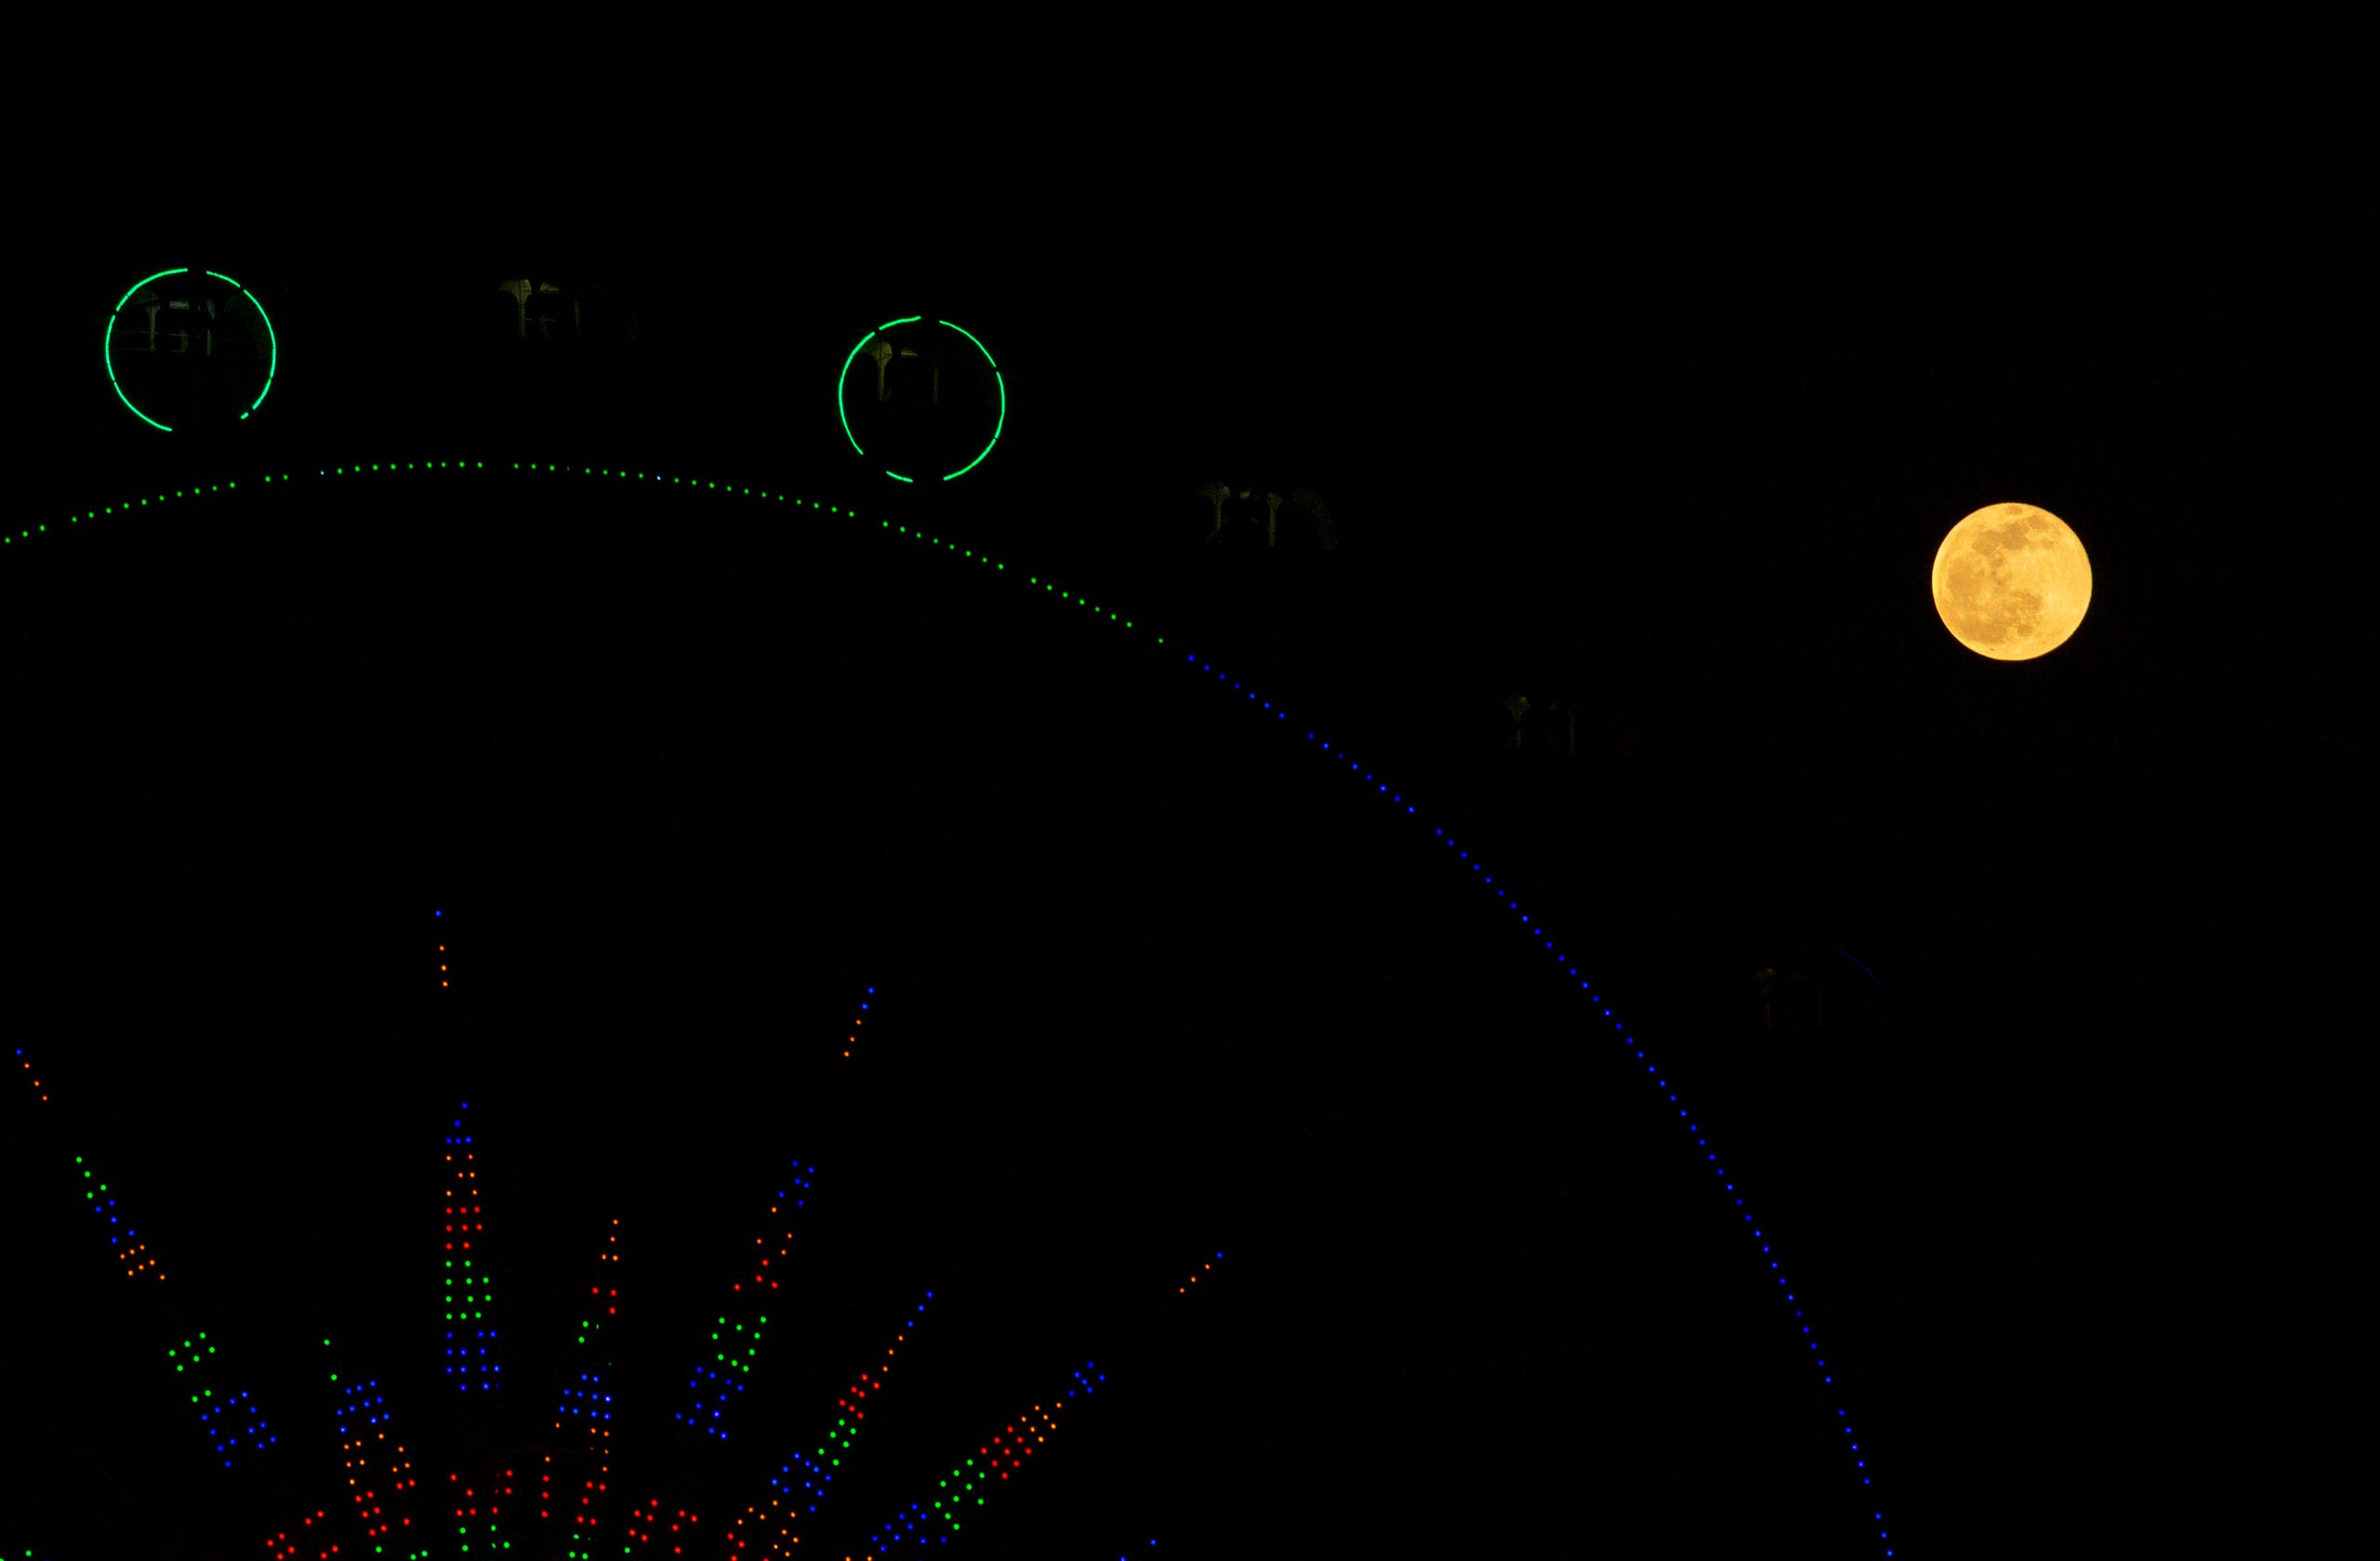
<point x="1853" y="1451"/>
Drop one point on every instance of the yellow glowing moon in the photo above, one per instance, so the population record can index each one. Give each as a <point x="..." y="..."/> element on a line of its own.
<point x="2012" y="582"/>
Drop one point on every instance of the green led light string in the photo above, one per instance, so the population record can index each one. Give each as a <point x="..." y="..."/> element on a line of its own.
<point x="133" y="505"/>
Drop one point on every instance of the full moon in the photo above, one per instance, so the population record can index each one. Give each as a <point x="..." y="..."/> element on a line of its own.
<point x="2012" y="582"/>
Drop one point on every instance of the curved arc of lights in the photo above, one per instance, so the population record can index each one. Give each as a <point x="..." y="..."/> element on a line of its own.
<point x="1375" y="787"/>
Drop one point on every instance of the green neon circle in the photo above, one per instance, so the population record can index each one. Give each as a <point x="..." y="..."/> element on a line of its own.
<point x="845" y="374"/>
<point x="272" y="339"/>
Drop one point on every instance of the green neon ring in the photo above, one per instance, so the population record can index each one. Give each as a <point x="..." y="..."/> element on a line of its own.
<point x="273" y="340"/>
<point x="845" y="374"/>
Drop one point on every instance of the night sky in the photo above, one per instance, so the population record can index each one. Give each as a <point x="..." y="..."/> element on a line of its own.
<point x="2011" y="995"/>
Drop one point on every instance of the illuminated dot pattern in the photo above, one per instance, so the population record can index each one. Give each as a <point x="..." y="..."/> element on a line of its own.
<point x="1203" y="1268"/>
<point x="583" y="1499"/>
<point x="471" y="1338"/>
<point x="1371" y="785"/>
<point x="230" y="1419"/>
<point x="853" y="1040"/>
<point x="131" y="1253"/>
<point x="313" y="1539"/>
<point x="131" y="506"/>
<point x="380" y="1473"/>
<point x="585" y="1404"/>
<point x="390" y="468"/>
<point x="1598" y="1012"/>
<point x="970" y="1485"/>
<point x="664" y="1532"/>
<point x="479" y="1513"/>
<point x="28" y="1070"/>
<point x="799" y="1485"/>
<point x="971" y="1482"/>
<point x="720" y="1380"/>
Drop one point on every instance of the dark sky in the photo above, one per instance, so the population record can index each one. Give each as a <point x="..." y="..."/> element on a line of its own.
<point x="2013" y="991"/>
